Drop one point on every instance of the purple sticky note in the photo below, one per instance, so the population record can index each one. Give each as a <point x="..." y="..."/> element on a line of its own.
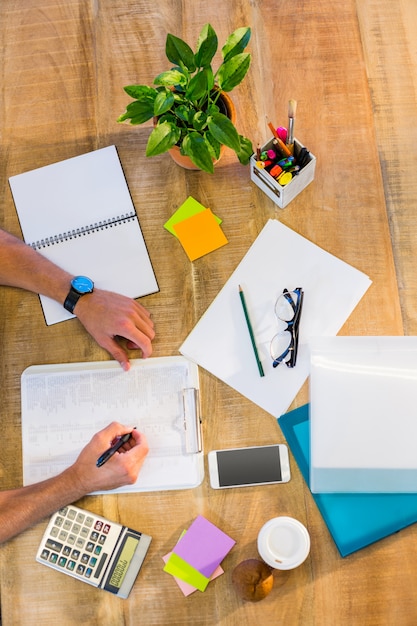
<point x="204" y="546"/>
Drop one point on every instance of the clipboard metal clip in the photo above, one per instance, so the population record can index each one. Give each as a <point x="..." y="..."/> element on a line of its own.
<point x="192" y="420"/>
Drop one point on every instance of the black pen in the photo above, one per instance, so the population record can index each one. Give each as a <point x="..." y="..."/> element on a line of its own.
<point x="113" y="449"/>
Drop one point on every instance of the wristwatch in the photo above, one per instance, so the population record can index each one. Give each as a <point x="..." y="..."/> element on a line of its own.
<point x="80" y="285"/>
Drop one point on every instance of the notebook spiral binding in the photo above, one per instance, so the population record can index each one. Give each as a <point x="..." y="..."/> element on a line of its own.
<point x="83" y="231"/>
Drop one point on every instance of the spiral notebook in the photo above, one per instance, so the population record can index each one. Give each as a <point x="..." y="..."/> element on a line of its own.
<point x="354" y="520"/>
<point x="80" y="215"/>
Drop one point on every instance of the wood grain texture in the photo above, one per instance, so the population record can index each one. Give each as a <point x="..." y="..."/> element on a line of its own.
<point x="390" y="48"/>
<point x="351" y="67"/>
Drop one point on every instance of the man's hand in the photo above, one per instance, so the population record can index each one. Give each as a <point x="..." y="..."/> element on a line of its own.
<point x="121" y="469"/>
<point x="106" y="316"/>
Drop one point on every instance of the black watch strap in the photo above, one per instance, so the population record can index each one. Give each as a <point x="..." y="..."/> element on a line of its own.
<point x="71" y="300"/>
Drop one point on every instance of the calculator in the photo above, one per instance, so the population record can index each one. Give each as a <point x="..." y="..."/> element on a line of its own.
<point x="93" y="549"/>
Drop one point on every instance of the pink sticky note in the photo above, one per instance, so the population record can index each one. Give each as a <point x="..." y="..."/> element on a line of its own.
<point x="204" y="546"/>
<point x="185" y="587"/>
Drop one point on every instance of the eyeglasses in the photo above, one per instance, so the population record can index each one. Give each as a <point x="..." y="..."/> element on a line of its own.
<point x="284" y="344"/>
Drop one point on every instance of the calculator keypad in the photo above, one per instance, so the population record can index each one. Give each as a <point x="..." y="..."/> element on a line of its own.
<point x="79" y="543"/>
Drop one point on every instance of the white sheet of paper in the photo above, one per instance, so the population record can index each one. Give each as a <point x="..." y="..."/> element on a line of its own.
<point x="279" y="258"/>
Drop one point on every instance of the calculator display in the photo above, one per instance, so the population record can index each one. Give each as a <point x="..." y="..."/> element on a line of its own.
<point x="121" y="565"/>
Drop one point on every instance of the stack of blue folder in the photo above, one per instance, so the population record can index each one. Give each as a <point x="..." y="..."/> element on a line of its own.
<point x="354" y="520"/>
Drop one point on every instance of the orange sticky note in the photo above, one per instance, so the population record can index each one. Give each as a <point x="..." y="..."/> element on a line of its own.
<point x="200" y="234"/>
<point x="190" y="207"/>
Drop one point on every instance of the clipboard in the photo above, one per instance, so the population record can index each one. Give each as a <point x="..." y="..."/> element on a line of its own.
<point x="63" y="405"/>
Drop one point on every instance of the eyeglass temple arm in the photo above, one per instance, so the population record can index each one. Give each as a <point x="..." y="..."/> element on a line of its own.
<point x="295" y="328"/>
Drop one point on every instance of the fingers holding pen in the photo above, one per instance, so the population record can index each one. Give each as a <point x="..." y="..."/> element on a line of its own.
<point x="128" y="459"/>
<point x="124" y="443"/>
<point x="119" y="468"/>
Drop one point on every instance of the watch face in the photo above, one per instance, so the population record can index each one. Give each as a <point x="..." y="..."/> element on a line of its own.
<point x="82" y="284"/>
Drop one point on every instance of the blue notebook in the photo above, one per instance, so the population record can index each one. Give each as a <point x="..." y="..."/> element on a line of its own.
<point x="354" y="520"/>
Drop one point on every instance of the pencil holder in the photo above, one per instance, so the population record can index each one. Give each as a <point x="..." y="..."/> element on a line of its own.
<point x="282" y="194"/>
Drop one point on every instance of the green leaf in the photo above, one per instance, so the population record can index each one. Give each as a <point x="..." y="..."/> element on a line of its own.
<point x="163" y="102"/>
<point x="168" y="117"/>
<point x="162" y="138"/>
<point x="197" y="87"/>
<point x="246" y="150"/>
<point x="213" y="144"/>
<point x="138" y="112"/>
<point x="191" y="113"/>
<point x="179" y="52"/>
<point x="196" y="148"/>
<point x="182" y="112"/>
<point x="170" y="78"/>
<point x="212" y="109"/>
<point x="232" y="72"/>
<point x="140" y="92"/>
<point x="236" y="43"/>
<point x="206" y="46"/>
<point x="210" y="78"/>
<point x="224" y="131"/>
<point x="199" y="120"/>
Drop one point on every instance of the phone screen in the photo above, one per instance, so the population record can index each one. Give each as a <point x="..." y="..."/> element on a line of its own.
<point x="249" y="466"/>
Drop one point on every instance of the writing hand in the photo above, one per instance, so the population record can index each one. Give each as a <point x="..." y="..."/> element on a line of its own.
<point x="121" y="469"/>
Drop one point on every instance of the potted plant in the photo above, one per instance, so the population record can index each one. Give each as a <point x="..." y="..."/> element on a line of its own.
<point x="187" y="103"/>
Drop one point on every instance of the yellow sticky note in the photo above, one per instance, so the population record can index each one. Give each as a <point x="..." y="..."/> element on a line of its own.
<point x="186" y="588"/>
<point x="190" y="207"/>
<point x="200" y="234"/>
<point x="186" y="572"/>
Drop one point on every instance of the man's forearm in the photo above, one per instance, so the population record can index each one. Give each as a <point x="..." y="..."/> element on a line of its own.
<point x="24" y="507"/>
<point x="21" y="266"/>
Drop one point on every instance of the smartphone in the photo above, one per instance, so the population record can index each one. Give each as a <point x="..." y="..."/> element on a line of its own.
<point x="246" y="467"/>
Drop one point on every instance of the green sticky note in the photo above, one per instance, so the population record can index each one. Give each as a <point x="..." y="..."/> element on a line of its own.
<point x="188" y="208"/>
<point x="186" y="572"/>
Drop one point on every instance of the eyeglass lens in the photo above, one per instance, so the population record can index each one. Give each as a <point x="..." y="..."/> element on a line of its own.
<point x="285" y="306"/>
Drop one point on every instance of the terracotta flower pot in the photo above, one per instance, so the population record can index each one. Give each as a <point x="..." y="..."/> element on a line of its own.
<point x="185" y="161"/>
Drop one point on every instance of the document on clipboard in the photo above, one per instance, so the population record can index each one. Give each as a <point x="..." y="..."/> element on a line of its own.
<point x="64" y="405"/>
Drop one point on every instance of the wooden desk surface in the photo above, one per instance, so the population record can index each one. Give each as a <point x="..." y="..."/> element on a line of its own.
<point x="351" y="67"/>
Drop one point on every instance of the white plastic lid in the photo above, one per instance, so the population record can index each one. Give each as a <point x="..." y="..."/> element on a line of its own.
<point x="283" y="543"/>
